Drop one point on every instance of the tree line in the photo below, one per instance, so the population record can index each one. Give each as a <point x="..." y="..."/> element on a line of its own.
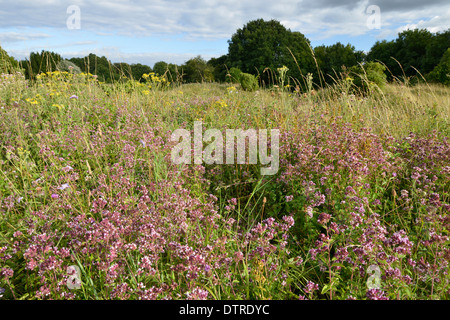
<point x="260" y="48"/>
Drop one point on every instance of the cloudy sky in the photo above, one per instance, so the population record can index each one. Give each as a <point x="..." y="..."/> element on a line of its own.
<point x="138" y="31"/>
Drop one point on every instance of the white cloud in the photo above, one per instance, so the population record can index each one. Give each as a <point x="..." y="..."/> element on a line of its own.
<point x="435" y="24"/>
<point x="14" y="36"/>
<point x="216" y="19"/>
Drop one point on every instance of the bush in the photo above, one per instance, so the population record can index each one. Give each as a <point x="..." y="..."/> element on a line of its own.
<point x="369" y="76"/>
<point x="248" y="82"/>
<point x="234" y="75"/>
<point x="66" y="65"/>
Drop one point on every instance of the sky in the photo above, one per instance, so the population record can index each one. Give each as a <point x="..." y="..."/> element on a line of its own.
<point x="138" y="31"/>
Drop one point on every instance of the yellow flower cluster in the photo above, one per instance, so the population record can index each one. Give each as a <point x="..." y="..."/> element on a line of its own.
<point x="59" y="75"/>
<point x="35" y="100"/>
<point x="221" y="103"/>
<point x="231" y="90"/>
<point x="31" y="101"/>
<point x="152" y="77"/>
<point x="283" y="70"/>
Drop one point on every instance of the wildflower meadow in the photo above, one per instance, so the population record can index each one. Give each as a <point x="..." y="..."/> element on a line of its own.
<point x="92" y="205"/>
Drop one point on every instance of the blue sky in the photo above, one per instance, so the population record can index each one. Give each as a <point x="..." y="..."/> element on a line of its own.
<point x="137" y="31"/>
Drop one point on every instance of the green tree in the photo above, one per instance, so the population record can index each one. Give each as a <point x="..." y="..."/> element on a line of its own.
<point x="441" y="73"/>
<point x="8" y="64"/>
<point x="220" y="67"/>
<point x="331" y="59"/>
<point x="435" y="50"/>
<point x="413" y="49"/>
<point x="137" y="70"/>
<point x="169" y="70"/>
<point x="384" y="51"/>
<point x="160" y="68"/>
<point x="268" y="44"/>
<point x="45" y="61"/>
<point x="197" y="70"/>
<point x="99" y="66"/>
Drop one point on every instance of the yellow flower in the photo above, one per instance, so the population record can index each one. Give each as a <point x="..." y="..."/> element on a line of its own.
<point x="221" y="103"/>
<point x="31" y="101"/>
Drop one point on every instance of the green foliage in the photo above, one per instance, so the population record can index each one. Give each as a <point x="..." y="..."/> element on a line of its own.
<point x="413" y="49"/>
<point x="45" y="61"/>
<point x="248" y="81"/>
<point x="369" y="76"/>
<point x="234" y="75"/>
<point x="441" y="73"/>
<point x="99" y="66"/>
<point x="267" y="45"/>
<point x="331" y="59"/>
<point x="219" y="66"/>
<point x="160" y="68"/>
<point x="121" y="71"/>
<point x="169" y="70"/>
<point x="137" y="70"/>
<point x="7" y="64"/>
<point x="197" y="70"/>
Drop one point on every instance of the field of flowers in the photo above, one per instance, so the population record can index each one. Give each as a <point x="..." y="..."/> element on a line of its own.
<point x="92" y="207"/>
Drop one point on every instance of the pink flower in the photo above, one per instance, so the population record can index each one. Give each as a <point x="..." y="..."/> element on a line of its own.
<point x="7" y="272"/>
<point x="309" y="211"/>
<point x="311" y="287"/>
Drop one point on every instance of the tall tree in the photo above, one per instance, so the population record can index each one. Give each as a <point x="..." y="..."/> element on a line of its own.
<point x="436" y="48"/>
<point x="169" y="70"/>
<point x="331" y="59"/>
<point x="384" y="51"/>
<point x="220" y="67"/>
<point x="268" y="44"/>
<point x="137" y="70"/>
<point x="99" y="66"/>
<point x="45" y="61"/>
<point x="7" y="64"/>
<point x="413" y="49"/>
<point x="197" y="70"/>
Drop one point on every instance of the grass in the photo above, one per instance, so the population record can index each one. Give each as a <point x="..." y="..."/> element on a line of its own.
<point x="86" y="179"/>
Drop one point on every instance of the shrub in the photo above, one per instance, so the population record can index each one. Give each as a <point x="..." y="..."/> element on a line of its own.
<point x="66" y="65"/>
<point x="248" y="82"/>
<point x="369" y="76"/>
<point x="234" y="75"/>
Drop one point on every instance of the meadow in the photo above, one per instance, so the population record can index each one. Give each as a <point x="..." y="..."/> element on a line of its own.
<point x="92" y="207"/>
